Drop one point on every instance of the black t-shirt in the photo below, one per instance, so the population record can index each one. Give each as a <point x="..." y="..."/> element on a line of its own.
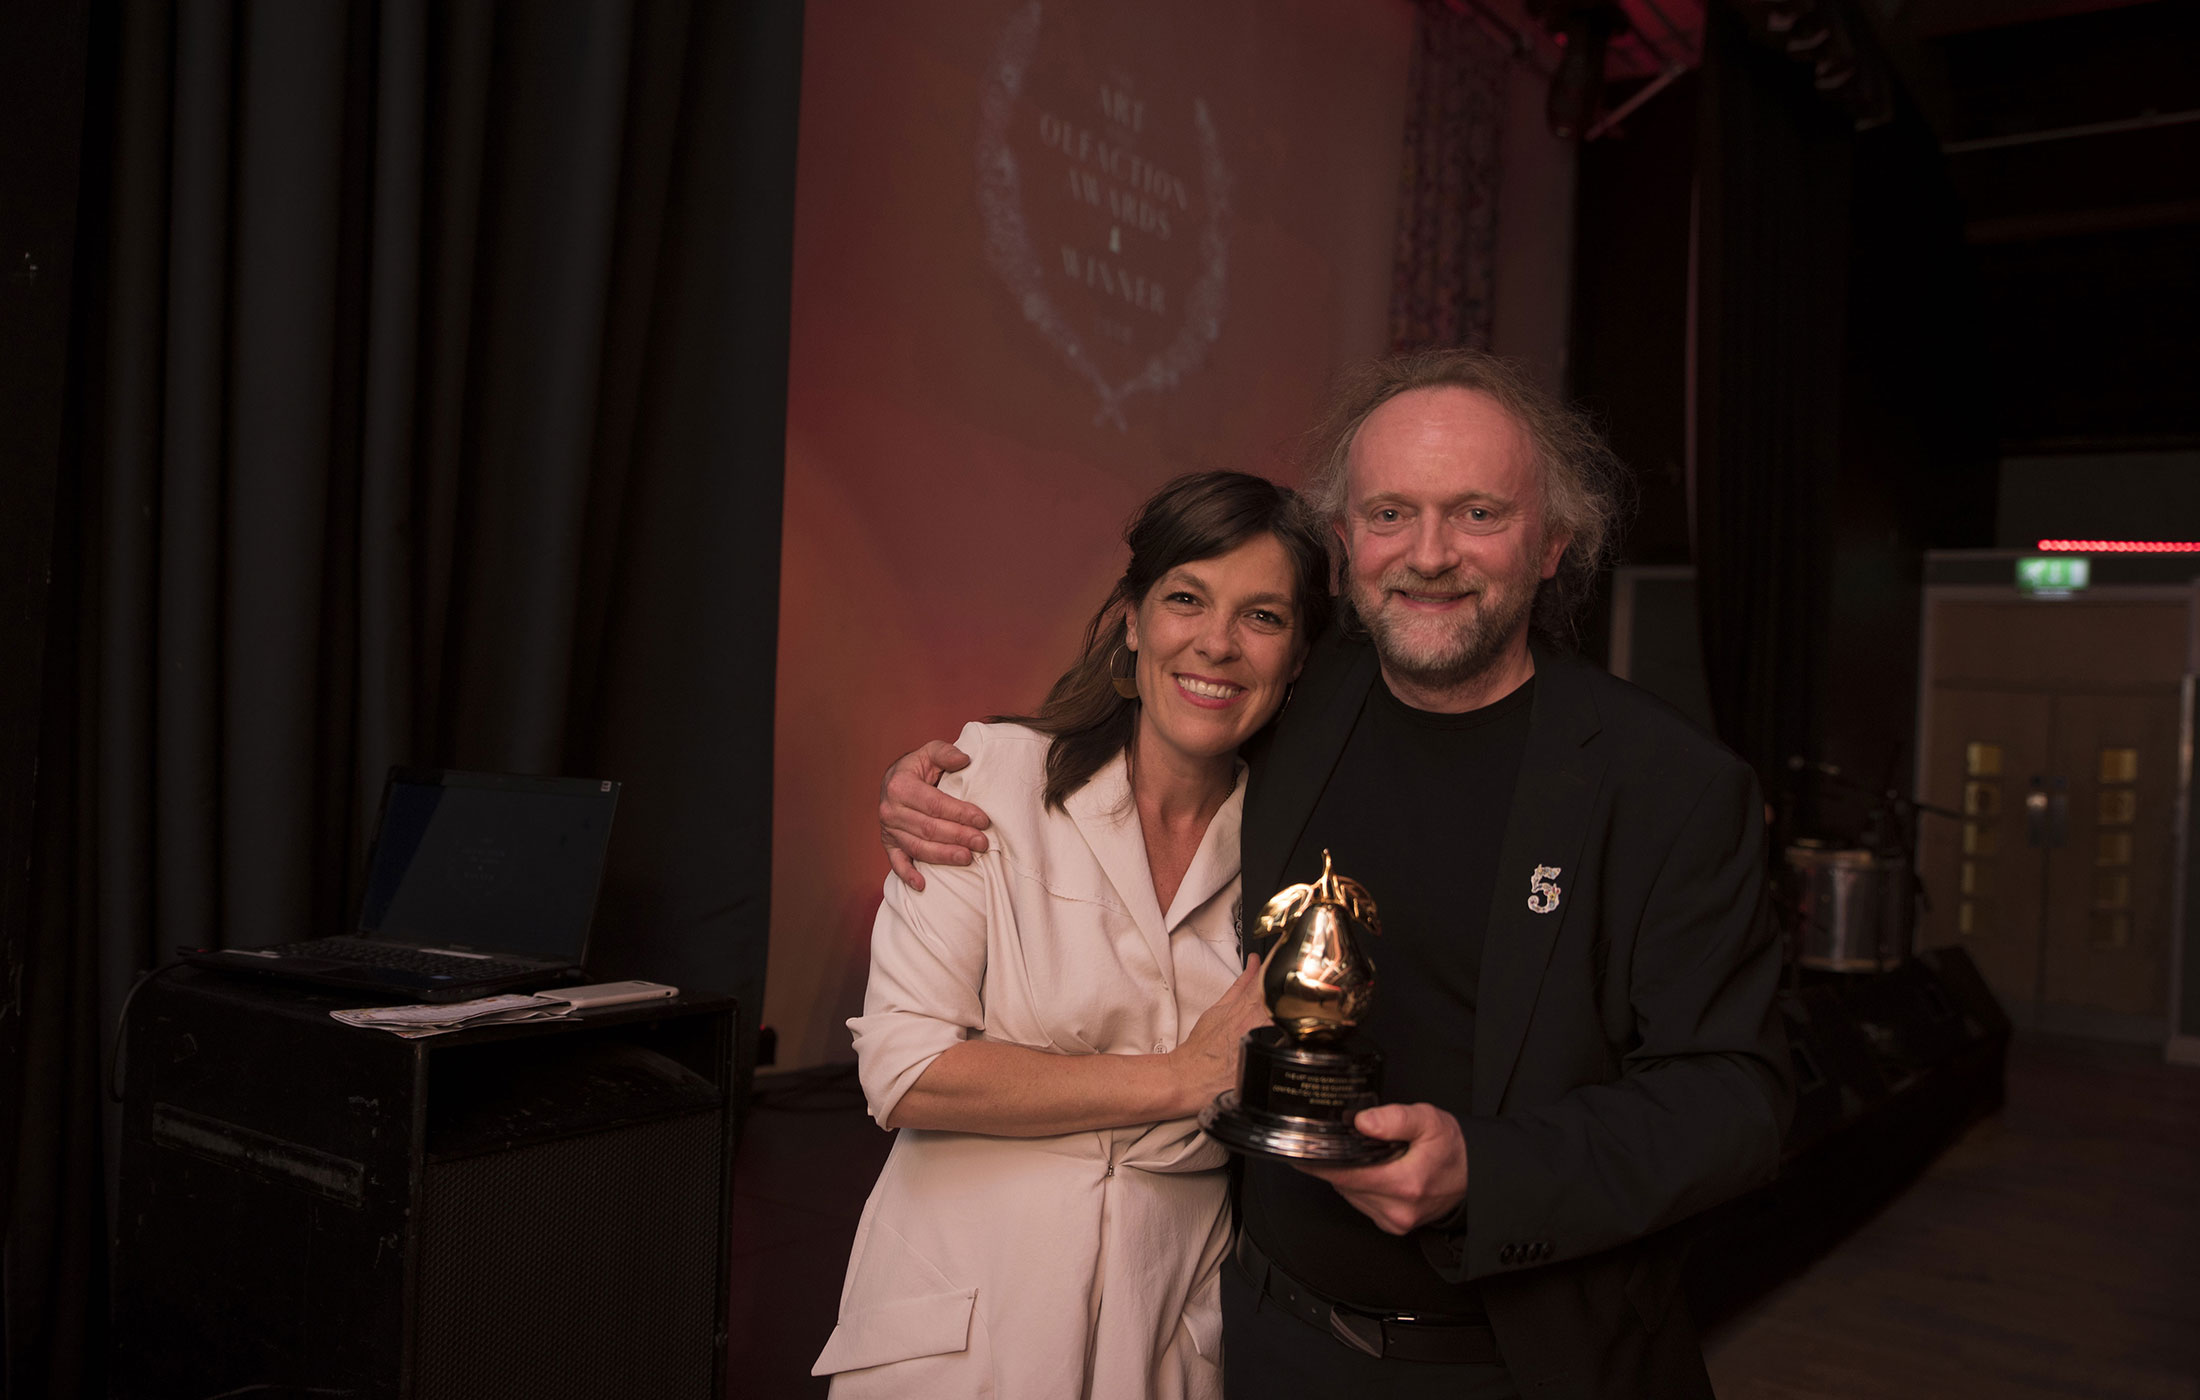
<point x="1415" y="811"/>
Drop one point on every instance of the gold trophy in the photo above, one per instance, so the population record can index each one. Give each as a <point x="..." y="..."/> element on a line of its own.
<point x="1306" y="1076"/>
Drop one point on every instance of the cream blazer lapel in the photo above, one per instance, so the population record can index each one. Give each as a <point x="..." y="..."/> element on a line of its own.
<point x="1107" y="817"/>
<point x="1215" y="863"/>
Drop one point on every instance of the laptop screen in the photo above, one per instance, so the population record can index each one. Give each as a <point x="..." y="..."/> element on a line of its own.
<point x="489" y="862"/>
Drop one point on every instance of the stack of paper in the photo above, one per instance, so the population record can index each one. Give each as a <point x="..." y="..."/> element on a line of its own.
<point x="413" y="1022"/>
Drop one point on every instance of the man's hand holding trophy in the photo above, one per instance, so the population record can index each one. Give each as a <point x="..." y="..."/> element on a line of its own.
<point x="1307" y="1076"/>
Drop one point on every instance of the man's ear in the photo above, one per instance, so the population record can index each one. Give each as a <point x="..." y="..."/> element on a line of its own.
<point x="1554" y="549"/>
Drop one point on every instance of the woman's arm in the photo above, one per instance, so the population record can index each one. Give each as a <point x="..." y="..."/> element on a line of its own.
<point x="916" y="1050"/>
<point x="980" y="1086"/>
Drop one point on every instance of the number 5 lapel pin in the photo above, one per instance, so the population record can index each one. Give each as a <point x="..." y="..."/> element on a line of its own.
<point x="1543" y="890"/>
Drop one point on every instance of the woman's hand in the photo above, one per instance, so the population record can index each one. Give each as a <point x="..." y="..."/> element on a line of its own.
<point x="916" y="821"/>
<point x="1206" y="1062"/>
<point x="984" y="1086"/>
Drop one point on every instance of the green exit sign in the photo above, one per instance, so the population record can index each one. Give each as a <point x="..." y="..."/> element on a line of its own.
<point x="2053" y="573"/>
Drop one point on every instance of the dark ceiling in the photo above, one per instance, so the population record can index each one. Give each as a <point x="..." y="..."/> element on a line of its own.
<point x="2072" y="135"/>
<point x="2070" y="130"/>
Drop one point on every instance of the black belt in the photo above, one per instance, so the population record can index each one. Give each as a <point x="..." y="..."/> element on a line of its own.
<point x="1401" y="1336"/>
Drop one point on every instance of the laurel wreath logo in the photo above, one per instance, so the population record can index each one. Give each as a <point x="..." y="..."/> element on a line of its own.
<point x="1008" y="239"/>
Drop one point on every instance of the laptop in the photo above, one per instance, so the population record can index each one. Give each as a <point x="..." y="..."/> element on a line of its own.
<point x="476" y="883"/>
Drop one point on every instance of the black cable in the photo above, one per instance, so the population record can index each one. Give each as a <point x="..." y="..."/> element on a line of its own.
<point x="122" y="1021"/>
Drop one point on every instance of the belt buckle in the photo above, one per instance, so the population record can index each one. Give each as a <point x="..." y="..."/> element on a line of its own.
<point x="1358" y="1331"/>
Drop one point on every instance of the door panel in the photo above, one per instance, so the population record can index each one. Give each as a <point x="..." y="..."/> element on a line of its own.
<point x="2072" y="703"/>
<point x="2075" y="644"/>
<point x="2109" y="889"/>
<point x="1982" y="878"/>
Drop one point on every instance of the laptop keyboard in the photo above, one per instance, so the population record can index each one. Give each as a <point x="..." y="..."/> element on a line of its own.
<point x="376" y="953"/>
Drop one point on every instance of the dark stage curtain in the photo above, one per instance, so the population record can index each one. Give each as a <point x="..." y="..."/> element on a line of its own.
<point x="432" y="411"/>
<point x="43" y="57"/>
<point x="1774" y="171"/>
<point x="1444" y="279"/>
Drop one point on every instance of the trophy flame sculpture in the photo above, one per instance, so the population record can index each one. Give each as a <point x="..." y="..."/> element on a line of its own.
<point x="1318" y="980"/>
<point x="1306" y="1077"/>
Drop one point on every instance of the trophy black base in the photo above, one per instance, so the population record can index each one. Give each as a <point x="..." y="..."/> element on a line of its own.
<point x="1296" y="1103"/>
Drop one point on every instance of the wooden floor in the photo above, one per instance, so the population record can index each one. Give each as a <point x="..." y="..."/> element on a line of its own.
<point x="2053" y="1251"/>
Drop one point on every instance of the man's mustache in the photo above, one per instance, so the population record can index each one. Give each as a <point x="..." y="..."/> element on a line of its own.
<point x="1405" y="579"/>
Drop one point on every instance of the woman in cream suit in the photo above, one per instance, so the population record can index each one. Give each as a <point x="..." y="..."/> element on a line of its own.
<point x="1043" y="1023"/>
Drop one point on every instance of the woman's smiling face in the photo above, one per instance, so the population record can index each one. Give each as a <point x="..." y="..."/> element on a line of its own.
<point x="1218" y="643"/>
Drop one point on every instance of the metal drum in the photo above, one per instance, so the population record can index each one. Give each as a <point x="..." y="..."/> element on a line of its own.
<point x="1858" y="909"/>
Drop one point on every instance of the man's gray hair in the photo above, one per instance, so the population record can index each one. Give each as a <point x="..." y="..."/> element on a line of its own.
<point x="1585" y="487"/>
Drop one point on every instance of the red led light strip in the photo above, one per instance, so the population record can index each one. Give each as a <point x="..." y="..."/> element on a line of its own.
<point x="2123" y="546"/>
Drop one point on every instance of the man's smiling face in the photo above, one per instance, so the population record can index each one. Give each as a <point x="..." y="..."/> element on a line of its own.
<point x="1445" y="535"/>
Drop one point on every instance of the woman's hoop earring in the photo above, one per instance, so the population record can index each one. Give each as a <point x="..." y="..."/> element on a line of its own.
<point x="1125" y="686"/>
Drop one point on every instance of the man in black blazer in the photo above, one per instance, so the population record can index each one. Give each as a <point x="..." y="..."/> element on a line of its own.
<point x="1576" y="979"/>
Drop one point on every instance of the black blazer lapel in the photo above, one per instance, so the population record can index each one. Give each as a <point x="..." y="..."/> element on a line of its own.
<point x="1551" y="806"/>
<point x="1290" y="773"/>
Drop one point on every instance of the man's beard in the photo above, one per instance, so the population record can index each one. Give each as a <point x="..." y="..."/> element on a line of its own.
<point x="1465" y="649"/>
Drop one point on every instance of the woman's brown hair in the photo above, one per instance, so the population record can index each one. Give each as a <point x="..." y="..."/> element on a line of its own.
<point x="1194" y="517"/>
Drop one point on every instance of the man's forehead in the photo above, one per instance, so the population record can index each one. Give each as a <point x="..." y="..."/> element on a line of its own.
<point x="1447" y="440"/>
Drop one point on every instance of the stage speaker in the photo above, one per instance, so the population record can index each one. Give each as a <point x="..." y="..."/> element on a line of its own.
<point x="1965" y="987"/>
<point x="1837" y="1079"/>
<point x="307" y="1208"/>
<point x="1923" y="1014"/>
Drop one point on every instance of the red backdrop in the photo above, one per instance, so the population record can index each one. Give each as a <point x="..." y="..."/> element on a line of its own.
<point x="1046" y="258"/>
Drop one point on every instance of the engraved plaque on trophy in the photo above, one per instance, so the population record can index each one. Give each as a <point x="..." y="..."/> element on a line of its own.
<point x="1306" y="1076"/>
